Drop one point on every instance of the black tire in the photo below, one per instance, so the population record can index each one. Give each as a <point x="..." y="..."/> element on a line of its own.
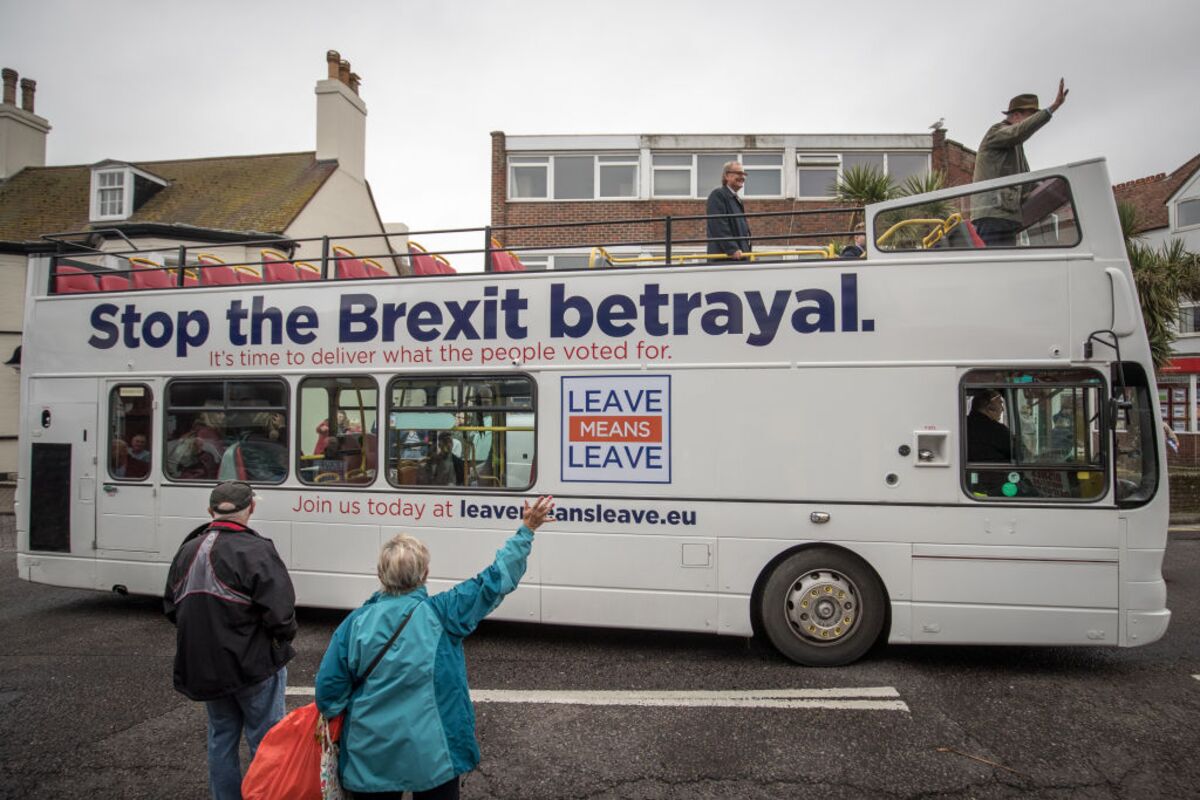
<point x="845" y="616"/>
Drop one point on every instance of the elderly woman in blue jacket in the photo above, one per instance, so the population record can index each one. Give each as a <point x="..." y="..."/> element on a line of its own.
<point x="410" y="726"/>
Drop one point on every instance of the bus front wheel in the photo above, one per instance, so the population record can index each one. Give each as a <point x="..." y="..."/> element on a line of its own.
<point x="822" y="607"/>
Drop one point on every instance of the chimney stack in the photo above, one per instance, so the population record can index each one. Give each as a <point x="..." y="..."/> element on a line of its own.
<point x="10" y="86"/>
<point x="341" y="118"/>
<point x="22" y="132"/>
<point x="28" y="87"/>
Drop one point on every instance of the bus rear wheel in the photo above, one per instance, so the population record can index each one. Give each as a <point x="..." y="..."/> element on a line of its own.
<point x="822" y="607"/>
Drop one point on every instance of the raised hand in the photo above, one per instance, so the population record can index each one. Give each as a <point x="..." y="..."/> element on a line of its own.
<point x="538" y="513"/>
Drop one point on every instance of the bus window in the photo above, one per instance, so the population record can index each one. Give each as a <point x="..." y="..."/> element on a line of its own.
<point x="226" y="430"/>
<point x="129" y="431"/>
<point x="338" y="438"/>
<point x="1136" y="439"/>
<point x="476" y="431"/>
<point x="1034" y="435"/>
<point x="1031" y="214"/>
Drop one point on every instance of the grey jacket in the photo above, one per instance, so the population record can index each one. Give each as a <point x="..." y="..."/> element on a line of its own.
<point x="1002" y="153"/>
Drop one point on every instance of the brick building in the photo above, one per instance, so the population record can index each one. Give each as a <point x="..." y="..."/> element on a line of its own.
<point x="567" y="180"/>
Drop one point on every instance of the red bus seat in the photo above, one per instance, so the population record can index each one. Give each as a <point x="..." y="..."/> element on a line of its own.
<point x="426" y="263"/>
<point x="277" y="268"/>
<point x="375" y="269"/>
<point x="114" y="283"/>
<point x="505" y="261"/>
<point x="307" y="272"/>
<point x="73" y="280"/>
<point x="149" y="274"/>
<point x="349" y="266"/>
<point x="214" y="272"/>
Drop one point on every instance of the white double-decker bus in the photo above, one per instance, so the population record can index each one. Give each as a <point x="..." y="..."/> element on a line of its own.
<point x="942" y="442"/>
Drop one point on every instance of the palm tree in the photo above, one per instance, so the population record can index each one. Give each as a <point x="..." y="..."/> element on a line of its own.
<point x="1163" y="276"/>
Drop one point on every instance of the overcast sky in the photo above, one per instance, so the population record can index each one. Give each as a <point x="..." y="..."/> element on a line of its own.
<point x="143" y="81"/>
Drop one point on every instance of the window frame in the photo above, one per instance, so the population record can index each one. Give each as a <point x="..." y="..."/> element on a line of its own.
<point x="460" y="380"/>
<point x="1019" y="179"/>
<point x="296" y="458"/>
<point x="814" y="161"/>
<point x="1179" y="204"/>
<point x="530" y="161"/>
<point x="150" y="435"/>
<point x="97" y="193"/>
<point x="225" y="408"/>
<point x="698" y="192"/>
<point x="1100" y="423"/>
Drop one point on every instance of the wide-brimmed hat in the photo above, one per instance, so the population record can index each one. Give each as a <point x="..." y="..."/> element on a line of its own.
<point x="230" y="496"/>
<point x="1023" y="102"/>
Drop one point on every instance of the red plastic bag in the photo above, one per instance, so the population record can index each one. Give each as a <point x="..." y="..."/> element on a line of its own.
<point x="287" y="765"/>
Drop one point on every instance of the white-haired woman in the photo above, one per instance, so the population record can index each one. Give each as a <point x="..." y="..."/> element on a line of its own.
<point x="410" y="725"/>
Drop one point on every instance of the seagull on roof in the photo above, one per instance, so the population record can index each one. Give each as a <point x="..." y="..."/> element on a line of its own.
<point x="937" y="126"/>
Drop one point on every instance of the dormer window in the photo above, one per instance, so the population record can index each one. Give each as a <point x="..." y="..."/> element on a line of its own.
<point x="120" y="189"/>
<point x="110" y="195"/>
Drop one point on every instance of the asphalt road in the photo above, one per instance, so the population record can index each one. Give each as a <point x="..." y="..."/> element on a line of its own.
<point x="87" y="710"/>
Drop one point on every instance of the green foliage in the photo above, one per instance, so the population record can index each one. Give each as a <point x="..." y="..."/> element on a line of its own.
<point x="864" y="185"/>
<point x="1164" y="276"/>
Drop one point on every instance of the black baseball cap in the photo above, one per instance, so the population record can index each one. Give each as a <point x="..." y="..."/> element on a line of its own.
<point x="230" y="496"/>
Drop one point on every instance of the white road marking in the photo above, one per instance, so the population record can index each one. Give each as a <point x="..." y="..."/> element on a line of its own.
<point x="867" y="698"/>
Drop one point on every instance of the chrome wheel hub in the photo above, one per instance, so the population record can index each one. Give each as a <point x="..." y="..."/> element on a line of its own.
<point x="822" y="606"/>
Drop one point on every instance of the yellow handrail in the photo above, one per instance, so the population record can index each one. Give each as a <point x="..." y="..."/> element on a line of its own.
<point x="935" y="235"/>
<point x="942" y="227"/>
<point x="599" y="257"/>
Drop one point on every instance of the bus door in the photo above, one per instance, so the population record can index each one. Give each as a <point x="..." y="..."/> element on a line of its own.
<point x="129" y="470"/>
<point x="62" y="470"/>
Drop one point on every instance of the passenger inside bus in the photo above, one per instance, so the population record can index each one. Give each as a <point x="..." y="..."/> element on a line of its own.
<point x="331" y="467"/>
<point x="196" y="455"/>
<point x="988" y="439"/>
<point x="259" y="453"/>
<point x="444" y="468"/>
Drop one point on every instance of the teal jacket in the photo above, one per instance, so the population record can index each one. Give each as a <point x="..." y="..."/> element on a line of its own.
<point x="411" y="726"/>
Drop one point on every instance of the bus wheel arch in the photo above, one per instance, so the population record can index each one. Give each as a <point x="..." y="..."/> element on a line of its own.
<point x="821" y="605"/>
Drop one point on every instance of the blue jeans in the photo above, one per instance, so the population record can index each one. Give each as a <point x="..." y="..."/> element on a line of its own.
<point x="254" y="709"/>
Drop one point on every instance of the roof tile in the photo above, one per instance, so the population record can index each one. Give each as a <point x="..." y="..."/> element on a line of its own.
<point x="238" y="193"/>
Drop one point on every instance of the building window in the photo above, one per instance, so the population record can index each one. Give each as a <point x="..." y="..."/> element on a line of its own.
<point x="819" y="172"/>
<point x="618" y="175"/>
<point x="226" y="430"/>
<point x="475" y="431"/>
<point x="672" y="175"/>
<point x="338" y="430"/>
<point x="1187" y="213"/>
<point x="1173" y="402"/>
<point x="528" y="177"/>
<point x="130" y="429"/>
<point x="764" y="174"/>
<point x="573" y="177"/>
<point x="1189" y="319"/>
<point x="902" y="166"/>
<point x="109" y="194"/>
<point x="697" y="174"/>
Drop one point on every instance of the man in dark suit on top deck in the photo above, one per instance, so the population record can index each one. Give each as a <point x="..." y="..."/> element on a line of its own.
<point x="728" y="235"/>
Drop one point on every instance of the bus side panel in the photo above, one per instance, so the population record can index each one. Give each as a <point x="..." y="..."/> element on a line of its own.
<point x="937" y="623"/>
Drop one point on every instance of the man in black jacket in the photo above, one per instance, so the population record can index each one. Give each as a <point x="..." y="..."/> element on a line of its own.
<point x="231" y="599"/>
<point x="729" y="234"/>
